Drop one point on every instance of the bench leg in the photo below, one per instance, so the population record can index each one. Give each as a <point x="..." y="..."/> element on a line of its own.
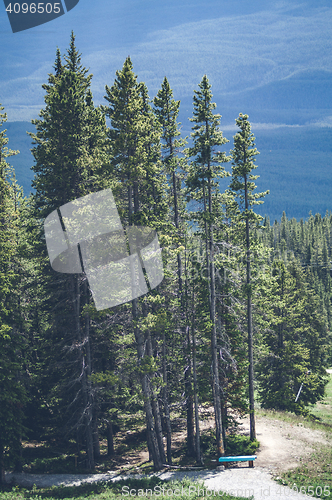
<point x="251" y="463"/>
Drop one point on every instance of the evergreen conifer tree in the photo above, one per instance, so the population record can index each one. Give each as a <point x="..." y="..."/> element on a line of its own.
<point x="294" y="345"/>
<point x="202" y="186"/>
<point x="13" y="393"/>
<point x="242" y="185"/>
<point x="135" y="164"/>
<point x="167" y="110"/>
<point x="70" y="161"/>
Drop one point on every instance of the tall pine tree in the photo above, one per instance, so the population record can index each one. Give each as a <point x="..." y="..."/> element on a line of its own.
<point x="205" y="168"/>
<point x="242" y="185"/>
<point x="135" y="164"/>
<point x="167" y="110"/>
<point x="70" y="161"/>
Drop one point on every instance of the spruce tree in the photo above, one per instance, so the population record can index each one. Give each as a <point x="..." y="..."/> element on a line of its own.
<point x="70" y="161"/>
<point x="205" y="169"/>
<point x="135" y="164"/>
<point x="242" y="185"/>
<point x="166" y="110"/>
<point x="231" y="314"/>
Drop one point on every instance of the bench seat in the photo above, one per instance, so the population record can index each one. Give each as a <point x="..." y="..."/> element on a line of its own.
<point x="248" y="458"/>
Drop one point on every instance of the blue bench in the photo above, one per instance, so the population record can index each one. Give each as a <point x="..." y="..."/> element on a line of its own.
<point x="248" y="458"/>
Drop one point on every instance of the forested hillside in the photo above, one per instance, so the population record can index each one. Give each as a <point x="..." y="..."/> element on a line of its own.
<point x="244" y="305"/>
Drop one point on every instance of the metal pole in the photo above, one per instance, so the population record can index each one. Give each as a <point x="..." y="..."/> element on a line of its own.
<point x="298" y="394"/>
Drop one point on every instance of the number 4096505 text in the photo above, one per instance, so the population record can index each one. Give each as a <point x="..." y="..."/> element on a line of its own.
<point x="34" y="8"/>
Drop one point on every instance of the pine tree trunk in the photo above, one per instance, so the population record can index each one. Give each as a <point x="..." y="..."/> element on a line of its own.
<point x="2" y="465"/>
<point x="224" y="417"/>
<point x="154" y="402"/>
<point x="19" y="459"/>
<point x="250" y="334"/>
<point x="96" y="444"/>
<point x="90" y="464"/>
<point x="152" y="434"/>
<point x="78" y="442"/>
<point x="90" y="419"/>
<point x="216" y="395"/>
<point x="154" y="447"/>
<point x="215" y="364"/>
<point x="189" y="401"/>
<point x="166" y="405"/>
<point x="151" y="431"/>
<point x="188" y="374"/>
<point x="154" y="399"/>
<point x="110" y="439"/>
<point x="281" y="336"/>
<point x="251" y="374"/>
<point x="148" y="440"/>
<point x="92" y="409"/>
<point x="85" y="384"/>
<point x="199" y="456"/>
<point x="223" y="397"/>
<point x="158" y="426"/>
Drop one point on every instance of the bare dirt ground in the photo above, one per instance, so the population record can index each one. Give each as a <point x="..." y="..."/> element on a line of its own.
<point x="283" y="444"/>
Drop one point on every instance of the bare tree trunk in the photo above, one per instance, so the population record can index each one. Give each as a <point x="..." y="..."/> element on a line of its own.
<point x="212" y="296"/>
<point x="2" y="465"/>
<point x="185" y="330"/>
<point x="155" y="408"/>
<point x="86" y="367"/>
<point x="199" y="456"/>
<point x="189" y="400"/>
<point x="110" y="439"/>
<point x="152" y="435"/>
<point x="215" y="373"/>
<point x="96" y="444"/>
<point x="166" y="405"/>
<point x="188" y="370"/>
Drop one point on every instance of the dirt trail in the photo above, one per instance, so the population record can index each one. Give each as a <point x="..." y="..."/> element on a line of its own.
<point x="283" y="444"/>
